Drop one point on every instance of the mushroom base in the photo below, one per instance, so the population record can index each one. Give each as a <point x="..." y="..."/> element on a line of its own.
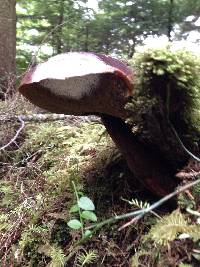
<point x="156" y="174"/>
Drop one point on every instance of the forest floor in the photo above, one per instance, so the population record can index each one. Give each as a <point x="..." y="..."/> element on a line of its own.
<point x="37" y="174"/>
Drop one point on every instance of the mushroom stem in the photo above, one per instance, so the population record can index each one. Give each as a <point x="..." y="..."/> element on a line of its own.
<point x="147" y="167"/>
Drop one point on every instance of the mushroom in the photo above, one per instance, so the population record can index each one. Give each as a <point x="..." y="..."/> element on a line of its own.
<point x="79" y="84"/>
<point x="88" y="83"/>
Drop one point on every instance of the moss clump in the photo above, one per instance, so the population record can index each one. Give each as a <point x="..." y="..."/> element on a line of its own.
<point x="167" y="89"/>
<point x="35" y="187"/>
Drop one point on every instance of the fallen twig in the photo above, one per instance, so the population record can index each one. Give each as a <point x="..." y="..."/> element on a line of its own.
<point x="49" y="117"/>
<point x="44" y="118"/>
<point x="159" y="203"/>
<point x="16" y="135"/>
<point x="140" y="213"/>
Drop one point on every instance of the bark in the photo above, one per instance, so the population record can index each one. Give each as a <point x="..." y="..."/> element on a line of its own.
<point x="7" y="47"/>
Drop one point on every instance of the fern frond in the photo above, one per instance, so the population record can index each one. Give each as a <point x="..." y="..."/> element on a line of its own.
<point x="194" y="232"/>
<point x="138" y="203"/>
<point x="135" y="260"/>
<point x="168" y="228"/>
<point x="87" y="258"/>
<point x="57" y="257"/>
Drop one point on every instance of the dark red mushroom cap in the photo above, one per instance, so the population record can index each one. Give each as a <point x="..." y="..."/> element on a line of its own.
<point x="79" y="84"/>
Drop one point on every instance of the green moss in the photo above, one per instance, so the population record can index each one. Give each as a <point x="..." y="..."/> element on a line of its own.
<point x="167" y="88"/>
<point x="36" y="196"/>
<point x="39" y="185"/>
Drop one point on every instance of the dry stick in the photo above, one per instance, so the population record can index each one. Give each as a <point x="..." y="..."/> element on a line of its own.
<point x="142" y="212"/>
<point x="160" y="202"/>
<point x="44" y="118"/>
<point x="16" y="135"/>
<point x="193" y="212"/>
<point x="50" y="117"/>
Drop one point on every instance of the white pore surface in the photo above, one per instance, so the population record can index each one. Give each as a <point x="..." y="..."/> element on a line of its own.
<point x="74" y="87"/>
<point x="70" y="65"/>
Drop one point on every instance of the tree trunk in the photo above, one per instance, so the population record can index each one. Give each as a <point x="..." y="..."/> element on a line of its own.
<point x="170" y="20"/>
<point x="86" y="38"/>
<point x="131" y="50"/>
<point x="7" y="47"/>
<point x="59" y="35"/>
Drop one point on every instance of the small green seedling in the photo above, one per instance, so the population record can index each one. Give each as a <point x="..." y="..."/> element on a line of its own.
<point x="85" y="209"/>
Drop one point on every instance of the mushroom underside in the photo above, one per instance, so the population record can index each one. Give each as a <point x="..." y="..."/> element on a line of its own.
<point x="107" y="94"/>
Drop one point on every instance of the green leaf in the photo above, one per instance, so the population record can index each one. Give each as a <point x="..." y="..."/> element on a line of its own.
<point x="86" y="203"/>
<point x="74" y="224"/>
<point x="89" y="215"/>
<point x="88" y="233"/>
<point x="74" y="208"/>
